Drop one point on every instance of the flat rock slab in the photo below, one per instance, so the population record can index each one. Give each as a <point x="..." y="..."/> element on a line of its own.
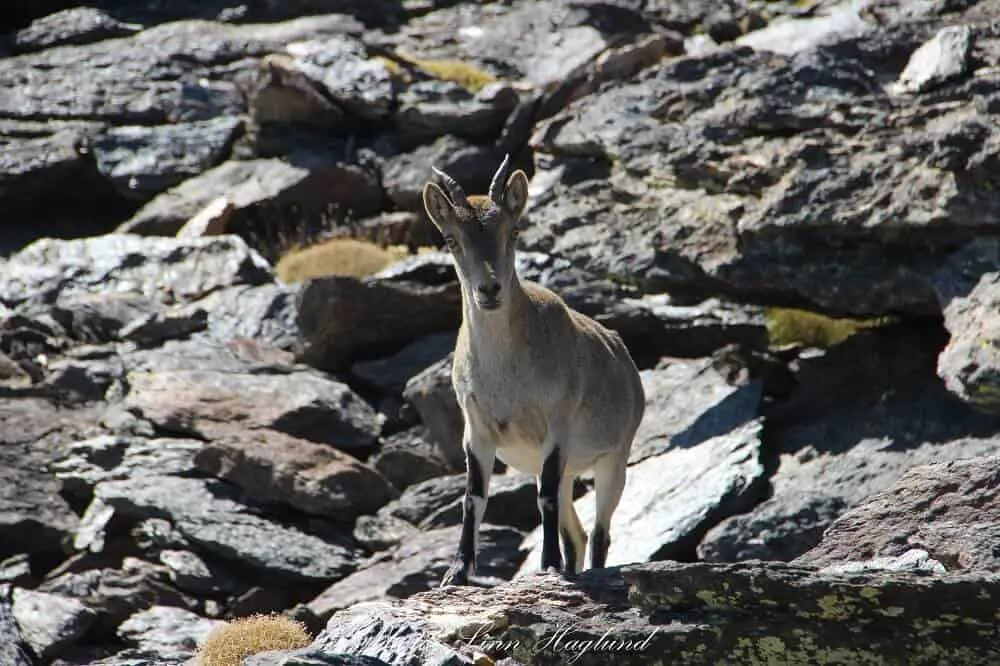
<point x="341" y="318"/>
<point x="970" y="364"/>
<point x="166" y="629"/>
<point x="206" y="513"/>
<point x="688" y="402"/>
<point x="947" y="509"/>
<point x="167" y="270"/>
<point x="847" y="432"/>
<point x="300" y="403"/>
<point x="671" y="499"/>
<point x="33" y="515"/>
<point x="264" y="313"/>
<point x="664" y="612"/>
<point x="11" y="643"/>
<point x="314" y="478"/>
<point x="50" y="622"/>
<point x="419" y="564"/>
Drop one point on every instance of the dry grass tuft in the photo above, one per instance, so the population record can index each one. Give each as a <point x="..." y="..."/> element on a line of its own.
<point x="787" y="326"/>
<point x="465" y="74"/>
<point x="339" y="256"/>
<point x="230" y="644"/>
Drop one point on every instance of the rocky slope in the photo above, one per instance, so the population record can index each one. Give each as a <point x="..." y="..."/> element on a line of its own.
<point x="184" y="439"/>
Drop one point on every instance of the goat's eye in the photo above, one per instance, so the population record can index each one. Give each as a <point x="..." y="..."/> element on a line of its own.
<point x="514" y="234"/>
<point x="449" y="242"/>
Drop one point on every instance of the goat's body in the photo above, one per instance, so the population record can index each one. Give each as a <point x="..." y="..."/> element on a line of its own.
<point x="548" y="390"/>
<point x="546" y="370"/>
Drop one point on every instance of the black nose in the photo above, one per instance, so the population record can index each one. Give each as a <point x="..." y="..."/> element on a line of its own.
<point x="489" y="290"/>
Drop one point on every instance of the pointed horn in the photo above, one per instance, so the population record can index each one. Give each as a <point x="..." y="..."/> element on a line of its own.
<point x="499" y="178"/>
<point x="454" y="190"/>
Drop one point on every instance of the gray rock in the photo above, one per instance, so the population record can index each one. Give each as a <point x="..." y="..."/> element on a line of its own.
<point x="847" y="432"/>
<point x="190" y="573"/>
<point x="314" y="478"/>
<point x="429" y="109"/>
<point x="154" y="329"/>
<point x="947" y="509"/>
<point x="789" y="35"/>
<point x="423" y="499"/>
<point x="688" y="402"/>
<point x="144" y="161"/>
<point x="300" y="403"/>
<point x="970" y="364"/>
<point x="166" y="270"/>
<point x="45" y="157"/>
<point x="408" y="458"/>
<point x="672" y="499"/>
<point x="733" y="614"/>
<point x="342" y="68"/>
<point x="265" y="313"/>
<point x="405" y="174"/>
<point x="92" y="317"/>
<point x="11" y="650"/>
<point x="942" y="59"/>
<point x="33" y="515"/>
<point x="79" y="25"/>
<point x="309" y="657"/>
<point x="109" y="81"/>
<point x="301" y="187"/>
<point x="699" y="212"/>
<point x="432" y="394"/>
<point x="342" y="318"/>
<point x="49" y="622"/>
<point x="206" y="513"/>
<point x="512" y="500"/>
<point x="112" y="595"/>
<point x="166" y="630"/>
<point x="109" y="457"/>
<point x="81" y="381"/>
<point x="390" y="375"/>
<point x="382" y="531"/>
<point x="418" y="564"/>
<point x="17" y="570"/>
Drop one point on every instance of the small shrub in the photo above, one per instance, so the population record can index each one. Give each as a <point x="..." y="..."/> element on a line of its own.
<point x="230" y="644"/>
<point x="339" y="256"/>
<point x="787" y="326"/>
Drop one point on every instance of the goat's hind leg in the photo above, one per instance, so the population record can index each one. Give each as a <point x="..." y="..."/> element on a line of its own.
<point x="479" y="468"/>
<point x="574" y="538"/>
<point x="609" y="481"/>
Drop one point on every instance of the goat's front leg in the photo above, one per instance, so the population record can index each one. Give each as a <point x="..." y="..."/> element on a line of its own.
<point x="548" y="504"/>
<point x="479" y="468"/>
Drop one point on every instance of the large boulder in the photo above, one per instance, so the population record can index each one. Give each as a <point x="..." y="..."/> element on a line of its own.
<point x="739" y="185"/>
<point x="849" y="430"/>
<point x="210" y="516"/>
<point x="735" y="614"/>
<point x="166" y="270"/>
<point x="970" y="364"/>
<point x="948" y="509"/>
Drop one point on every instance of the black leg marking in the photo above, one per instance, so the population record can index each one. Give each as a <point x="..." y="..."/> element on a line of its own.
<point x="548" y="504"/>
<point x="569" y="554"/>
<point x="465" y="560"/>
<point x="599" y="542"/>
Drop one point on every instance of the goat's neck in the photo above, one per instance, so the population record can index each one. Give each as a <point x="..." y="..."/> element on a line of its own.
<point x="495" y="333"/>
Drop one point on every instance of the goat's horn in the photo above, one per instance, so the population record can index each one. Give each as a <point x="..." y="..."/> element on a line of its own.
<point x="455" y="190"/>
<point x="497" y="184"/>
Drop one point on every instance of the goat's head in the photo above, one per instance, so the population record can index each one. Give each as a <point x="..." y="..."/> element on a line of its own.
<point x="480" y="231"/>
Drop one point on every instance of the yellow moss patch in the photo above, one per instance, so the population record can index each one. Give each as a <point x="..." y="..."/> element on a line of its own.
<point x="787" y="326"/>
<point x="467" y="75"/>
<point x="340" y="256"/>
<point x="230" y="644"/>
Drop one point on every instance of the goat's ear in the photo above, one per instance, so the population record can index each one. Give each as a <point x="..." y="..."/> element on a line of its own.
<point x="437" y="205"/>
<point x="515" y="194"/>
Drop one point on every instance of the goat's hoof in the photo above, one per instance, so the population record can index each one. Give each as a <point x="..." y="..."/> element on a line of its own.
<point x="456" y="575"/>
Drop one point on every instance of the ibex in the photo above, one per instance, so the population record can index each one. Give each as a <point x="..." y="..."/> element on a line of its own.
<point x="547" y="389"/>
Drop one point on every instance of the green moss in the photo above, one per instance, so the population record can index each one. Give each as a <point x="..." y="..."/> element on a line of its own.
<point x="788" y="326"/>
<point x="467" y="75"/>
